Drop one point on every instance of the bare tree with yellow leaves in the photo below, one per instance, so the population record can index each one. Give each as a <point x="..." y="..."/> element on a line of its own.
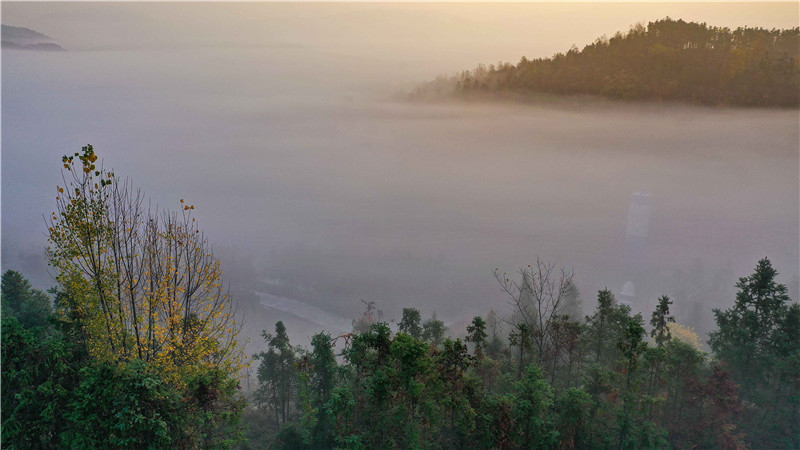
<point x="139" y="282"/>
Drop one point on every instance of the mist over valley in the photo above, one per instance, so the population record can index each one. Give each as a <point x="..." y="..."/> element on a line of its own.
<point x="273" y="225"/>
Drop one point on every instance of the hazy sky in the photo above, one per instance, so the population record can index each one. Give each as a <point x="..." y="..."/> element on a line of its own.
<point x="399" y="43"/>
<point x="472" y="32"/>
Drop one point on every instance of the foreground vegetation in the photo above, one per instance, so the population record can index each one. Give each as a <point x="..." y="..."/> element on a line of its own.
<point x="668" y="60"/>
<point x="602" y="381"/>
<point x="138" y="349"/>
<point x="56" y="395"/>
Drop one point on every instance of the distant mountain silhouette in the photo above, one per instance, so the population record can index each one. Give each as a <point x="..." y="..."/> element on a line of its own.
<point x="12" y="33"/>
<point x="40" y="46"/>
<point x="20" y="38"/>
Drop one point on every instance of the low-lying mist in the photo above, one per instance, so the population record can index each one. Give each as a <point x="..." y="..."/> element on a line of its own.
<point x="318" y="185"/>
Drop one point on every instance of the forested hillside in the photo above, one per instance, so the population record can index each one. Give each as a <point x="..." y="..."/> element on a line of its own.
<point x="668" y="60"/>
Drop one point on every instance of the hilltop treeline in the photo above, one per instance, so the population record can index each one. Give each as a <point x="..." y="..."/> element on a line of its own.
<point x="668" y="60"/>
<point x="541" y="378"/>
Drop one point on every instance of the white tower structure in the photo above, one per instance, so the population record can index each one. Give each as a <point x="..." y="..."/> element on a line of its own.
<point x="635" y="242"/>
<point x="638" y="219"/>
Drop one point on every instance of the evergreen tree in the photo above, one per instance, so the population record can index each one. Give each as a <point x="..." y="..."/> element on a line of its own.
<point x="30" y="306"/>
<point x="477" y="334"/>
<point x="451" y="364"/>
<point x="573" y="407"/>
<point x="520" y="337"/>
<point x="322" y="380"/>
<point x="276" y="375"/>
<point x="660" y="321"/>
<point x="532" y="400"/>
<point x="433" y="331"/>
<point x="605" y="327"/>
<point x="494" y="326"/>
<point x="754" y="339"/>
<point x="567" y="350"/>
<point x="632" y="345"/>
<point x="746" y="338"/>
<point x="410" y="324"/>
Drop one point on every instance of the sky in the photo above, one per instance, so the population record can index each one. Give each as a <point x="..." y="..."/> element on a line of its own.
<point x="509" y="29"/>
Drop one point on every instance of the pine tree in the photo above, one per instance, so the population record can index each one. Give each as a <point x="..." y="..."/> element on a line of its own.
<point x="276" y="374"/>
<point x="477" y="334"/>
<point x="752" y="340"/>
<point x="410" y="324"/>
<point x="660" y="321"/>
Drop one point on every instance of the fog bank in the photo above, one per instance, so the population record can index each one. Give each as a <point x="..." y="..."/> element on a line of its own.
<point x="297" y="155"/>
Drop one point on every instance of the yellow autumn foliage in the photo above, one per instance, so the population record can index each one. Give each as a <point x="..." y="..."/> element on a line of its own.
<point x="685" y="334"/>
<point x="140" y="283"/>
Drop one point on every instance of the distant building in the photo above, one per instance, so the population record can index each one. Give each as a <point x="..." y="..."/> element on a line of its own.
<point x="638" y="223"/>
<point x="627" y="294"/>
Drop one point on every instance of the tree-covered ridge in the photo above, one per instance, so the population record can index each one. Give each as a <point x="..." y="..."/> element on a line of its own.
<point x="668" y="60"/>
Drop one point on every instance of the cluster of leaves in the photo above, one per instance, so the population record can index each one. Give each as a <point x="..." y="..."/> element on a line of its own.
<point x="598" y="382"/>
<point x="668" y="60"/>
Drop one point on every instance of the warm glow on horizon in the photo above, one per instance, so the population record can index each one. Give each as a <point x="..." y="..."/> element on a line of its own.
<point x="541" y="26"/>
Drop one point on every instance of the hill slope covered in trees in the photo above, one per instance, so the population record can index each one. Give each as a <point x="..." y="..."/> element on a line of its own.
<point x="668" y="60"/>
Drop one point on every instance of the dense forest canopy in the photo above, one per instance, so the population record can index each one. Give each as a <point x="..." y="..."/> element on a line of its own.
<point x="606" y="380"/>
<point x="668" y="60"/>
<point x="612" y="379"/>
